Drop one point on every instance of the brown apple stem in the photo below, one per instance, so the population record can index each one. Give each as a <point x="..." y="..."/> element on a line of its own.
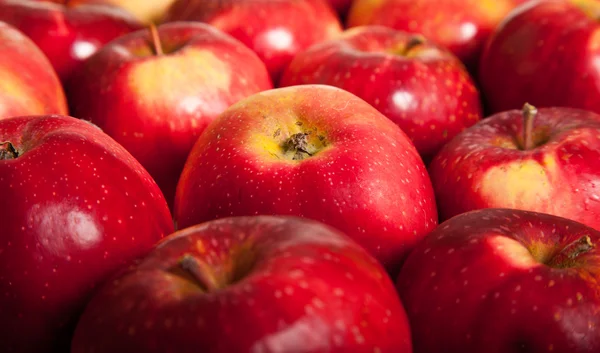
<point x="570" y="252"/>
<point x="529" y="114"/>
<point x="414" y="42"/>
<point x="8" y="151"/>
<point x="158" y="49"/>
<point x="298" y="143"/>
<point x="200" y="271"/>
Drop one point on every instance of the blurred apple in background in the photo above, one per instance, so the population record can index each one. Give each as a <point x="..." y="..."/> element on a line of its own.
<point x="275" y="29"/>
<point x="462" y="26"/>
<point x="28" y="83"/>
<point x="547" y="54"/>
<point x="75" y="208"/>
<point x="504" y="281"/>
<point x="67" y="33"/>
<point x="317" y="152"/>
<point x="421" y="87"/>
<point x="155" y="95"/>
<point x="146" y="11"/>
<point x="537" y="160"/>
<point x="249" y="284"/>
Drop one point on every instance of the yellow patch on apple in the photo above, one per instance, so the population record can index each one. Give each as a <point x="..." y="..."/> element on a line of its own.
<point x="513" y="252"/>
<point x="13" y="88"/>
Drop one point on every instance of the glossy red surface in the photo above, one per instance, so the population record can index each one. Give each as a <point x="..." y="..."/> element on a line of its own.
<point x="364" y="177"/>
<point x="285" y="285"/>
<point x="67" y="34"/>
<point x="157" y="106"/>
<point x="492" y="281"/>
<point x="75" y="208"/>
<point x="424" y="89"/>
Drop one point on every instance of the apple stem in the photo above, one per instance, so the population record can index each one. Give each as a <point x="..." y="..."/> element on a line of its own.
<point x="8" y="151"/>
<point x="298" y="143"/>
<point x="158" y="50"/>
<point x="529" y="114"/>
<point x="571" y="252"/>
<point x="199" y="271"/>
<point x="413" y="42"/>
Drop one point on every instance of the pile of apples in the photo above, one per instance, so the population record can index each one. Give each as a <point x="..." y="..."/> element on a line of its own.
<point x="282" y="176"/>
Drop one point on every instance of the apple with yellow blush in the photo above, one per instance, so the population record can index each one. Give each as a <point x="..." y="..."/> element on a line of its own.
<point x="154" y="91"/>
<point x="146" y="11"/>
<point x="532" y="159"/>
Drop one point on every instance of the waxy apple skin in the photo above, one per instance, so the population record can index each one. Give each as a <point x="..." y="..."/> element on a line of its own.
<point x="545" y="54"/>
<point x="75" y="208"/>
<point x="462" y="26"/>
<point x="422" y="88"/>
<point x="156" y="106"/>
<point x="493" y="281"/>
<point x="485" y="167"/>
<point x="282" y="285"/>
<point x="67" y="34"/>
<point x="28" y="83"/>
<point x="364" y="177"/>
<point x="275" y="29"/>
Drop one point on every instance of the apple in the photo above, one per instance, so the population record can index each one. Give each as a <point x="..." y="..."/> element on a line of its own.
<point x="67" y="33"/>
<point x="164" y="90"/>
<point x="275" y="29"/>
<point x="317" y="152"/>
<point x="147" y="11"/>
<point x="420" y="86"/>
<point x="341" y="6"/>
<point x="462" y="26"/>
<point x="248" y="284"/>
<point x="28" y="83"/>
<point x="544" y="53"/>
<point x="533" y="159"/>
<point x="504" y="281"/>
<point x="76" y="207"/>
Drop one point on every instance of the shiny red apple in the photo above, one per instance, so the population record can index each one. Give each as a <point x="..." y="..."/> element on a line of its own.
<point x="75" y="207"/>
<point x="462" y="26"/>
<point x="67" y="33"/>
<point x="420" y="86"/>
<point x="547" y="54"/>
<point x="249" y="284"/>
<point x="504" y="281"/>
<point x="28" y="83"/>
<point x="275" y="29"/>
<point x="163" y="93"/>
<point x="317" y="152"/>
<point x="537" y="160"/>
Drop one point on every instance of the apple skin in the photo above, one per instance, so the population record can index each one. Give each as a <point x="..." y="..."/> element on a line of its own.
<point x="276" y="30"/>
<point x="75" y="208"/>
<point x="146" y="11"/>
<point x="157" y="106"/>
<point x="28" y="83"/>
<point x="423" y="88"/>
<point x="281" y="284"/>
<point x="546" y="54"/>
<point x="68" y="35"/>
<point x="495" y="281"/>
<point x="484" y="166"/>
<point x="462" y="26"/>
<point x="364" y="177"/>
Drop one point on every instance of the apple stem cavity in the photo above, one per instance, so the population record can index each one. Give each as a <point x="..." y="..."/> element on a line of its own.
<point x="156" y="43"/>
<point x="199" y="271"/>
<point x="570" y="252"/>
<point x="414" y="42"/>
<point x="529" y="114"/>
<point x="8" y="151"/>
<point x="298" y="143"/>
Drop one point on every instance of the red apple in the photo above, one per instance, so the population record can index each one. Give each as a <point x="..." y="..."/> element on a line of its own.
<point x="531" y="160"/>
<point x="248" y="284"/>
<point x="546" y="54"/>
<point x="68" y="34"/>
<point x="317" y="152"/>
<point x="275" y="29"/>
<point x="28" y="83"/>
<point x="462" y="26"/>
<point x="504" y="281"/>
<point x="421" y="87"/>
<point x="75" y="208"/>
<point x="163" y="95"/>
